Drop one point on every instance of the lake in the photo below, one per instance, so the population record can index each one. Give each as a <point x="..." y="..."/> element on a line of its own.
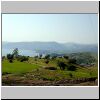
<point x="21" y="52"/>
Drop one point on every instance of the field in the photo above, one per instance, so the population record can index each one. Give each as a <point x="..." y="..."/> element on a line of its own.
<point x="36" y="72"/>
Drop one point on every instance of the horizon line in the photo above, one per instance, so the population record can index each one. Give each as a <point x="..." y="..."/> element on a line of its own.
<point x="49" y="41"/>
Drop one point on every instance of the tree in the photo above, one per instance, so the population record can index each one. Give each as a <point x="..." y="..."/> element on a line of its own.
<point x="35" y="56"/>
<point x="54" y="57"/>
<point x="71" y="67"/>
<point x="47" y="56"/>
<point x="40" y="56"/>
<point x="73" y="61"/>
<point x="66" y="57"/>
<point x="23" y="58"/>
<point x="61" y="64"/>
<point x="10" y="57"/>
<point x="15" y="52"/>
<point x="46" y="61"/>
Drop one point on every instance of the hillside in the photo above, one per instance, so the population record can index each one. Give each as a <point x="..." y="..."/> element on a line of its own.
<point x="51" y="47"/>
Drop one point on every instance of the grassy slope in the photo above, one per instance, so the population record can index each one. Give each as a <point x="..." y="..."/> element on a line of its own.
<point x="17" y="67"/>
<point x="23" y="67"/>
<point x="33" y="73"/>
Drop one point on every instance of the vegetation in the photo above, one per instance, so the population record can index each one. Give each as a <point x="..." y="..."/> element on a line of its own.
<point x="46" y="61"/>
<point x="62" y="65"/>
<point x="73" y="61"/>
<point x="83" y="58"/>
<point x="71" y="67"/>
<point x="15" y="52"/>
<point x="47" y="56"/>
<point x="25" y="70"/>
<point x="10" y="57"/>
<point x="22" y="58"/>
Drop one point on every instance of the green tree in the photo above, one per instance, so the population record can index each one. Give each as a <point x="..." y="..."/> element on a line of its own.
<point x="71" y="67"/>
<point x="66" y="57"/>
<point x="73" y="61"/>
<point x="40" y="56"/>
<point x="10" y="57"/>
<point x="15" y="52"/>
<point x="46" y="61"/>
<point x="61" y="64"/>
<point x="54" y="57"/>
<point x="47" y="56"/>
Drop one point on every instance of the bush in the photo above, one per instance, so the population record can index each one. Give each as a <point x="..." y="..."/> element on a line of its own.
<point x="61" y="65"/>
<point x="22" y="58"/>
<point x="11" y="61"/>
<point x="73" y="61"/>
<point x="35" y="57"/>
<point x="46" y="61"/>
<point x="10" y="57"/>
<point x="51" y="68"/>
<point x="71" y="67"/>
<point x="47" y="57"/>
<point x="66" y="57"/>
<point x="54" y="57"/>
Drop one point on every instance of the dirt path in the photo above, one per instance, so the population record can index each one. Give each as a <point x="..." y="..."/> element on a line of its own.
<point x="8" y="81"/>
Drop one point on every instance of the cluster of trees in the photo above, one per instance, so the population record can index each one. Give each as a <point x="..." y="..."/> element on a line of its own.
<point x="68" y="66"/>
<point x="61" y="64"/>
<point x="15" y="55"/>
<point x="85" y="58"/>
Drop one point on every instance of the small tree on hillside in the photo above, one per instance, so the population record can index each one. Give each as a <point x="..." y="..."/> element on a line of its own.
<point x="15" y="52"/>
<point x="71" y="68"/>
<point x="73" y="61"/>
<point x="54" y="57"/>
<point x="40" y="56"/>
<point x="10" y="57"/>
<point x="61" y="64"/>
<point x="47" y="56"/>
<point x="46" y="61"/>
<point x="66" y="57"/>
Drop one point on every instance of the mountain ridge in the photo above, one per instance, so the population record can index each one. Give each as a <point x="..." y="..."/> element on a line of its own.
<point x="51" y="46"/>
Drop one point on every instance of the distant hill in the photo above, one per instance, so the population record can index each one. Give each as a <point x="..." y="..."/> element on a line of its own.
<point x="51" y="47"/>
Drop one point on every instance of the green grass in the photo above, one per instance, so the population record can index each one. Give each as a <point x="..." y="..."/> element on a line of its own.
<point x="17" y="67"/>
<point x="28" y="67"/>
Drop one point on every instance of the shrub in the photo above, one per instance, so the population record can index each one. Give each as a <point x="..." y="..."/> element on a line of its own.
<point x="46" y="61"/>
<point x="54" y="57"/>
<point x="61" y="65"/>
<point x="11" y="61"/>
<point x="10" y="57"/>
<point x="22" y="58"/>
<point x="15" y="52"/>
<point x="47" y="57"/>
<point x="35" y="57"/>
<point x="40" y="56"/>
<point x="66" y="57"/>
<point x="73" y="61"/>
<point x="71" y="67"/>
<point x="51" y="68"/>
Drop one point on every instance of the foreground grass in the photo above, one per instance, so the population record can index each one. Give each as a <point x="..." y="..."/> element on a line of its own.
<point x="17" y="67"/>
<point x="33" y="72"/>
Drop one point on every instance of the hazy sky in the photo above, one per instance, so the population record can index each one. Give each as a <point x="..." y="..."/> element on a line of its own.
<point x="77" y="28"/>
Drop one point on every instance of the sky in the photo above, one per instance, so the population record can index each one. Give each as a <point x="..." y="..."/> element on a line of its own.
<point x="62" y="28"/>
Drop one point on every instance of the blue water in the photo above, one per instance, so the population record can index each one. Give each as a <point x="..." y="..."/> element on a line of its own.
<point x="21" y="52"/>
